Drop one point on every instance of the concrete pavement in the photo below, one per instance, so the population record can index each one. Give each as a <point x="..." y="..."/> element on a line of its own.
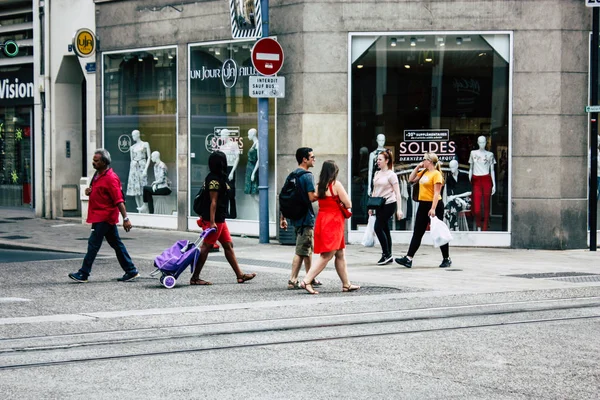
<point x="474" y="270"/>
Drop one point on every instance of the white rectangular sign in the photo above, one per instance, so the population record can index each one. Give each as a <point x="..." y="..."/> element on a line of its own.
<point x="267" y="86"/>
<point x="592" y="3"/>
<point x="592" y="109"/>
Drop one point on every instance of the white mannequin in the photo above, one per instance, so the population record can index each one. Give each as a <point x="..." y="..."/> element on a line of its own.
<point x="161" y="185"/>
<point x="479" y="156"/>
<point x="373" y="158"/>
<point x="231" y="150"/>
<point x="251" y="181"/>
<point x="454" y="174"/>
<point x="253" y="137"/>
<point x="138" y="168"/>
<point x="160" y="172"/>
<point x="482" y="167"/>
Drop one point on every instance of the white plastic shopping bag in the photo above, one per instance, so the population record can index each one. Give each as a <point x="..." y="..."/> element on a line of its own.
<point x="439" y="231"/>
<point x="368" y="239"/>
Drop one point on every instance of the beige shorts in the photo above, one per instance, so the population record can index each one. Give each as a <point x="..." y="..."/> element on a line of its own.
<point x="304" y="240"/>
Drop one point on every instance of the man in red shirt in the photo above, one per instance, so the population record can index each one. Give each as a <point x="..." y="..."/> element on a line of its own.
<point x="106" y="201"/>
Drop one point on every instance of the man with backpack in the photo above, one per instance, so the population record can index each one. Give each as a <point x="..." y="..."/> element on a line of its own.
<point x="295" y="204"/>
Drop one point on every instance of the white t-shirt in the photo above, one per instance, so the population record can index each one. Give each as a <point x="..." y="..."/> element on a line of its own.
<point x="482" y="162"/>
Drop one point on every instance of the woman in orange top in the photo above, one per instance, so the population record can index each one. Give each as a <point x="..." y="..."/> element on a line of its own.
<point x="431" y="181"/>
<point x="329" y="229"/>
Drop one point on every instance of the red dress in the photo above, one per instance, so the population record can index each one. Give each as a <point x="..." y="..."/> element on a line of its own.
<point x="329" y="227"/>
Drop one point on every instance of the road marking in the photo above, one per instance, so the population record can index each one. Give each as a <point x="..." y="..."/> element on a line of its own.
<point x="61" y="225"/>
<point x="13" y="300"/>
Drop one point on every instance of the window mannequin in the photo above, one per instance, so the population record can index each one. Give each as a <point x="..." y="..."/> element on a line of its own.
<point x="483" y="181"/>
<point x="232" y="151"/>
<point x="373" y="161"/>
<point x="251" y="182"/>
<point x="160" y="187"/>
<point x="138" y="168"/>
<point x="458" y="195"/>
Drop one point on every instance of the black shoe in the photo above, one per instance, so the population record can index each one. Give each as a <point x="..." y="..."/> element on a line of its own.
<point x="385" y="259"/>
<point x="78" y="277"/>
<point x="404" y="261"/>
<point x="129" y="276"/>
<point x="446" y="262"/>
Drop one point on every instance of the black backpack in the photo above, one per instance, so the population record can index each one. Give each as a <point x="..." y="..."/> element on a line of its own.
<point x="201" y="201"/>
<point x="292" y="202"/>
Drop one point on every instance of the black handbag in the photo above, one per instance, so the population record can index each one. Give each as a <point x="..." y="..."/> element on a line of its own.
<point x="415" y="191"/>
<point x="374" y="203"/>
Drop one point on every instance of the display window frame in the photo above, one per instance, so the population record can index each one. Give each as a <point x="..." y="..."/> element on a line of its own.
<point x="461" y="238"/>
<point x="240" y="226"/>
<point x="589" y="160"/>
<point x="164" y="221"/>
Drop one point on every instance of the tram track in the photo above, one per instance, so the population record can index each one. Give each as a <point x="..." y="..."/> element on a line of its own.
<point x="28" y="352"/>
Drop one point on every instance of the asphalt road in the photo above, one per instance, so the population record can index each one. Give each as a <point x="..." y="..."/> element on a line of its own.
<point x="107" y="339"/>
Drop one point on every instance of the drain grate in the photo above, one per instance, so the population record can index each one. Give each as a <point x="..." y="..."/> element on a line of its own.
<point x="7" y="222"/>
<point x="378" y="290"/>
<point x="551" y="275"/>
<point x="579" y="279"/>
<point x="16" y="237"/>
<point x="19" y="218"/>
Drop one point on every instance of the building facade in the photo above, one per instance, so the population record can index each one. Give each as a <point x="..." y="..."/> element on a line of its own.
<point x="361" y="77"/>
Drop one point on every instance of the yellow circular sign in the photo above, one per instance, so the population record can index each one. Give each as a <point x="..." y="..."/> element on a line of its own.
<point x="84" y="43"/>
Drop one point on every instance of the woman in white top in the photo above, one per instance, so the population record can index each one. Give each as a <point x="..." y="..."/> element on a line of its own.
<point x="385" y="184"/>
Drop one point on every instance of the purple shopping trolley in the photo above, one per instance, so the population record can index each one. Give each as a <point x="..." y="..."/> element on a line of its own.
<point x="174" y="260"/>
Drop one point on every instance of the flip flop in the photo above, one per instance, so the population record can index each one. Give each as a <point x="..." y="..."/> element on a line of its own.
<point x="199" y="282"/>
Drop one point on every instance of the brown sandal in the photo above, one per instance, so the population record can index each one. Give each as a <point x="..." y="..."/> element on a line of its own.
<point x="199" y="281"/>
<point x="308" y="287"/>
<point x="246" y="277"/>
<point x="350" y="288"/>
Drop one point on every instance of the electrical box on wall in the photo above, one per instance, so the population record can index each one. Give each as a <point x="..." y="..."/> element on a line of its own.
<point x="69" y="198"/>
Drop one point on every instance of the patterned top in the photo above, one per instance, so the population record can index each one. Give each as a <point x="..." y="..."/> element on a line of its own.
<point x="214" y="183"/>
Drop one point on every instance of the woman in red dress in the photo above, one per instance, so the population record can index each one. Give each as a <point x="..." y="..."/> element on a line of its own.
<point x="329" y="229"/>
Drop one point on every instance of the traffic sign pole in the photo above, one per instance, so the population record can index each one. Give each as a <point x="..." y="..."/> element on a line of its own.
<point x="593" y="184"/>
<point x="263" y="149"/>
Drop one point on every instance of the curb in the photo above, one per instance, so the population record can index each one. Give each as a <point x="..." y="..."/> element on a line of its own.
<point x="34" y="247"/>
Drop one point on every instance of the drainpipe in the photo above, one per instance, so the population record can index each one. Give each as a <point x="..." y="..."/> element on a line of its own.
<point x="46" y="118"/>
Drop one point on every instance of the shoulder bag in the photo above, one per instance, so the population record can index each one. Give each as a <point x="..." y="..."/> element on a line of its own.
<point x="345" y="211"/>
<point x="415" y="188"/>
<point x="373" y="203"/>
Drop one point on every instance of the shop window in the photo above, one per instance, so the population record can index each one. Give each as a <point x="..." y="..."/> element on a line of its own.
<point x="447" y="94"/>
<point x="140" y="126"/>
<point x="224" y="117"/>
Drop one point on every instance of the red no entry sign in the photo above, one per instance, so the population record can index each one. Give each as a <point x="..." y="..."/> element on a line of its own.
<point x="267" y="56"/>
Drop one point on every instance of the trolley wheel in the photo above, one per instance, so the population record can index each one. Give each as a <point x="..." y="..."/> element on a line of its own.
<point x="168" y="281"/>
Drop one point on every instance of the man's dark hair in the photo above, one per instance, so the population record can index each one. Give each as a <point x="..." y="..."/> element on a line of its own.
<point x="302" y="153"/>
<point x="104" y="156"/>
